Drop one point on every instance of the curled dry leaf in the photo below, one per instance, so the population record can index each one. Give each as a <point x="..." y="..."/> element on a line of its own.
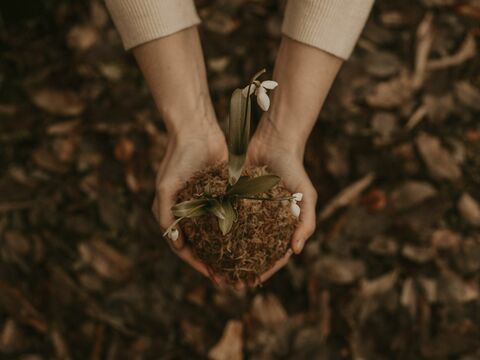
<point x="468" y="95"/>
<point x="392" y="93"/>
<point x="106" y="261"/>
<point x="338" y="271"/>
<point x="469" y="208"/>
<point x="82" y="37"/>
<point x="346" y="196"/>
<point x="268" y="311"/>
<point x="58" y="102"/>
<point x="412" y="193"/>
<point x="230" y="345"/>
<point x="440" y="163"/>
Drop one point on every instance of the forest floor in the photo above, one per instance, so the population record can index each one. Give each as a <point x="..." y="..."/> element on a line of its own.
<point x="393" y="270"/>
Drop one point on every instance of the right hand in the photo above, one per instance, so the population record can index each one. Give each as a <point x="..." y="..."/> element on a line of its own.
<point x="187" y="152"/>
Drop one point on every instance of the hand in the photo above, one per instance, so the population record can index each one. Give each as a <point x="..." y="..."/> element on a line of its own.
<point x="188" y="152"/>
<point x="286" y="162"/>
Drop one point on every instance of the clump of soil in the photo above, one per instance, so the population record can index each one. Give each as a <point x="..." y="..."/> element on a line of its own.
<point x="260" y="236"/>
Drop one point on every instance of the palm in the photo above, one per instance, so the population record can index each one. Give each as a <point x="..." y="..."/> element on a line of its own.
<point x="290" y="168"/>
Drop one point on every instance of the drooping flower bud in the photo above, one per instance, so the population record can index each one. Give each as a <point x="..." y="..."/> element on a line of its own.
<point x="173" y="234"/>
<point x="294" y="208"/>
<point x="297" y="196"/>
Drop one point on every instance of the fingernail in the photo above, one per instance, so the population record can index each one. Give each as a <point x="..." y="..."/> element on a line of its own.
<point x="299" y="246"/>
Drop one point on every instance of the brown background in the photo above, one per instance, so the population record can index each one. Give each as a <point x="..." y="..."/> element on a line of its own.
<point x="393" y="270"/>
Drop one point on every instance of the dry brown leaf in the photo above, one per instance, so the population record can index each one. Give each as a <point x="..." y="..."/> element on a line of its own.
<point x="124" y="149"/>
<point x="468" y="95"/>
<point x="268" y="311"/>
<point x="346" y="196"/>
<point x="82" y="37"/>
<point x="440" y="163"/>
<point x="467" y="50"/>
<point x="64" y="127"/>
<point x="412" y="193"/>
<point x="469" y="208"/>
<point x="17" y="305"/>
<point x="337" y="270"/>
<point x="230" y="345"/>
<point x="392" y="93"/>
<point x="58" y="102"/>
<point x="106" y="261"/>
<point x="424" y="43"/>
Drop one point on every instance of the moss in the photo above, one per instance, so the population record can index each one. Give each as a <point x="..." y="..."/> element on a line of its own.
<point x="260" y="236"/>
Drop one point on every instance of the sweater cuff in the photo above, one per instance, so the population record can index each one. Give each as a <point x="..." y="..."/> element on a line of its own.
<point x="141" y="21"/>
<point x="330" y="25"/>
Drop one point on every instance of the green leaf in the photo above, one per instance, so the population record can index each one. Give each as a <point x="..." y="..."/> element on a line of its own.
<point x="253" y="186"/>
<point x="190" y="208"/>
<point x="238" y="133"/>
<point x="226" y="223"/>
<point x="217" y="209"/>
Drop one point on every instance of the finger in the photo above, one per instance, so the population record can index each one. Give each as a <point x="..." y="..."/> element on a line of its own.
<point x="187" y="255"/>
<point x="306" y="225"/>
<point x="278" y="265"/>
<point x="166" y="199"/>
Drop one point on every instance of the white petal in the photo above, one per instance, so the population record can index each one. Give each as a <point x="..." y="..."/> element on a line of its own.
<point x="269" y="84"/>
<point x="245" y="90"/>
<point x="295" y="209"/>
<point x="297" y="196"/>
<point x="262" y="99"/>
<point x="173" y="235"/>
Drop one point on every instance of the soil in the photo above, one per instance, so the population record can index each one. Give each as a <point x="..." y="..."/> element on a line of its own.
<point x="260" y="236"/>
<point x="392" y="271"/>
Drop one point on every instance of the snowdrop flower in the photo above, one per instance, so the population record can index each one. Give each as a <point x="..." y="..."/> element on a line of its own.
<point x="294" y="208"/>
<point x="260" y="89"/>
<point x="173" y="234"/>
<point x="297" y="196"/>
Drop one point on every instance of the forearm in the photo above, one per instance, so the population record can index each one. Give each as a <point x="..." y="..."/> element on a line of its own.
<point x="305" y="75"/>
<point x="174" y="69"/>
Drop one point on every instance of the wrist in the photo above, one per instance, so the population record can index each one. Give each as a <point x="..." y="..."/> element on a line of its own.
<point x="272" y="134"/>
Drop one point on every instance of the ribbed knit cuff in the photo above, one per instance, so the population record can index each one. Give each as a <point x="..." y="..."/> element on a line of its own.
<point x="331" y="25"/>
<point x="140" y="21"/>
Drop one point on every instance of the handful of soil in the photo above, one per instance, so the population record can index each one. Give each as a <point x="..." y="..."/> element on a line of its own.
<point x="260" y="236"/>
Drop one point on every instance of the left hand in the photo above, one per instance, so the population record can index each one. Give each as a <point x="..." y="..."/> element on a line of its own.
<point x="288" y="164"/>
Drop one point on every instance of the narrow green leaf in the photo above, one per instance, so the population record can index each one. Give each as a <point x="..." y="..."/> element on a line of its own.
<point x="226" y="223"/>
<point x="217" y="209"/>
<point x="254" y="186"/>
<point x="190" y="208"/>
<point x="238" y="133"/>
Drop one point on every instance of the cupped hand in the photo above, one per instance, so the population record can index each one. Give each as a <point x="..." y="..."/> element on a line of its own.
<point x="287" y="163"/>
<point x="187" y="153"/>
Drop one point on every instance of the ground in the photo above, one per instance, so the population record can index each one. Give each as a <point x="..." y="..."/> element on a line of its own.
<point x="393" y="270"/>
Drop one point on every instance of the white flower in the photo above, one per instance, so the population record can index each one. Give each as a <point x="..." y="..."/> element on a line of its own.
<point x="173" y="234"/>
<point x="260" y="90"/>
<point x="294" y="208"/>
<point x="297" y="196"/>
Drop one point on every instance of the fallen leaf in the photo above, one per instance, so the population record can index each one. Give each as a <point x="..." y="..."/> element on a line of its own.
<point x="346" y="196"/>
<point x="107" y="261"/>
<point x="58" y="102"/>
<point x="82" y="37"/>
<point x="469" y="208"/>
<point x="268" y="311"/>
<point x="440" y="163"/>
<point x="411" y="193"/>
<point x="468" y="95"/>
<point x="230" y="345"/>
<point x="337" y="270"/>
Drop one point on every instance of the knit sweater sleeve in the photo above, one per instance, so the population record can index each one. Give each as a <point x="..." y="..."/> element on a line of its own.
<point x="331" y="25"/>
<point x="140" y="21"/>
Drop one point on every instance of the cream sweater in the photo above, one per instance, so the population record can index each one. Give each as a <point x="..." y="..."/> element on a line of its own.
<point x="330" y="25"/>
